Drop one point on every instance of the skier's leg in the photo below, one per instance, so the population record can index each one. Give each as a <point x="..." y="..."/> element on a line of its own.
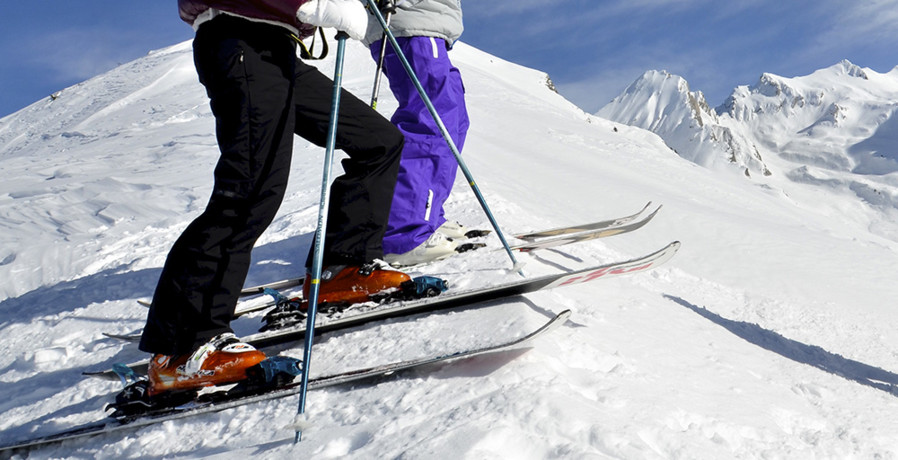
<point x="243" y="66"/>
<point x="428" y="167"/>
<point x="361" y="197"/>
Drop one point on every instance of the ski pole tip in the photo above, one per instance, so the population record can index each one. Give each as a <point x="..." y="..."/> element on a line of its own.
<point x="300" y="423"/>
<point x="518" y="268"/>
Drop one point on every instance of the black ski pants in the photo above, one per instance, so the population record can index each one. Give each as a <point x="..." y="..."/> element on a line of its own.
<point x="261" y="95"/>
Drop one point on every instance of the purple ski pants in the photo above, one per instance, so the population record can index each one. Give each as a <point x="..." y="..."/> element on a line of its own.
<point x="427" y="168"/>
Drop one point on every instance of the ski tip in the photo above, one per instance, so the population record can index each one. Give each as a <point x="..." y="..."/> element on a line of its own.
<point x="560" y="318"/>
<point x="553" y="323"/>
<point x="666" y="253"/>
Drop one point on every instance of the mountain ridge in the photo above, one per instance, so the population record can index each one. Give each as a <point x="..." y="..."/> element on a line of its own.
<point x="836" y="126"/>
<point x="828" y="98"/>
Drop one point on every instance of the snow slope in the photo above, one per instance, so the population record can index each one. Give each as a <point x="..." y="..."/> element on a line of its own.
<point x="770" y="335"/>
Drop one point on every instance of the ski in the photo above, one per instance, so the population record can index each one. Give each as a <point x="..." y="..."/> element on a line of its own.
<point x="243" y="308"/>
<point x="586" y="232"/>
<point x="357" y="316"/>
<point x="605" y="224"/>
<point x="255" y="290"/>
<point x="277" y="286"/>
<point x="112" y="425"/>
<point x="544" y="239"/>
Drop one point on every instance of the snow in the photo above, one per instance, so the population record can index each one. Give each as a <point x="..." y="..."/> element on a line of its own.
<point x="770" y="335"/>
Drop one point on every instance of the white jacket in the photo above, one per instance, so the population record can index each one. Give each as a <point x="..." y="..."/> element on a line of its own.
<point x="421" y="18"/>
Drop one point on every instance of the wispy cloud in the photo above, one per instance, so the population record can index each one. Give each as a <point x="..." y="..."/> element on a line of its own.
<point x="73" y="55"/>
<point x="871" y="19"/>
<point x="847" y="25"/>
<point x="589" y="46"/>
<point x="716" y="45"/>
<point x="492" y="8"/>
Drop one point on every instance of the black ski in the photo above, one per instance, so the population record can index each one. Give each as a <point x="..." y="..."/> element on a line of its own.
<point x="111" y="425"/>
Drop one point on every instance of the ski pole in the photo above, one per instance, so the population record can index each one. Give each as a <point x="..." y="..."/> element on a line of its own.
<point x="436" y="118"/>
<point x="380" y="60"/>
<point x="318" y="258"/>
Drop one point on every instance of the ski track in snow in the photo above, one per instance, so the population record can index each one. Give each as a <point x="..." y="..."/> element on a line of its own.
<point x="770" y="335"/>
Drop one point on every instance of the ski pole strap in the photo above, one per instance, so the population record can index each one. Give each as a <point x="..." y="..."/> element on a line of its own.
<point x="308" y="52"/>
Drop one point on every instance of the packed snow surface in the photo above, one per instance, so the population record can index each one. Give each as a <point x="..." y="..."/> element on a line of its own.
<point x="770" y="335"/>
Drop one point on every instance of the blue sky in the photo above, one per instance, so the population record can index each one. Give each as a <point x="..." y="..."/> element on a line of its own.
<point x="592" y="49"/>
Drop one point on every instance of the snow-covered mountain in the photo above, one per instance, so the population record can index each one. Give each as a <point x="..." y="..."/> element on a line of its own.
<point x="839" y="118"/>
<point x="770" y="335"/>
<point x="836" y="125"/>
<point x="662" y="103"/>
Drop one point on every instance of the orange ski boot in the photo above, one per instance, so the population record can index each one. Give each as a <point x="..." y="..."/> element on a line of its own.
<point x="349" y="284"/>
<point x="222" y="360"/>
<point x="344" y="285"/>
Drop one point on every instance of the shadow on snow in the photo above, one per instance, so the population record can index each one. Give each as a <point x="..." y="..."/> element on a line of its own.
<point x="811" y="355"/>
